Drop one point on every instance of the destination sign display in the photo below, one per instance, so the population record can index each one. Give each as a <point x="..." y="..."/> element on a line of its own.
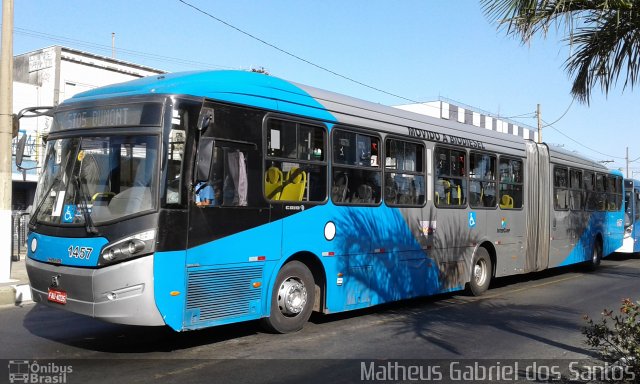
<point x="110" y="116"/>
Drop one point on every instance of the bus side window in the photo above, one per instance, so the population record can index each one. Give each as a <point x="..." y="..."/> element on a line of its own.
<point x="614" y="193"/>
<point x="561" y="193"/>
<point x="482" y="186"/>
<point x="590" y="194"/>
<point x="228" y="183"/>
<point x="575" y="186"/>
<point x="356" y="173"/>
<point x="296" y="168"/>
<point x="451" y="183"/>
<point x="404" y="173"/>
<point x="511" y="185"/>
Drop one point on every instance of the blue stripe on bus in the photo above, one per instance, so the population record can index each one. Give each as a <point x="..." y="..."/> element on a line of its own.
<point x="599" y="222"/>
<point x="614" y="227"/>
<point x="256" y="90"/>
<point x="369" y="266"/>
<point x="376" y="252"/>
<point x="75" y="252"/>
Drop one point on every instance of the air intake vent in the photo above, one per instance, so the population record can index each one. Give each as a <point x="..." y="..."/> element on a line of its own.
<point x="221" y="293"/>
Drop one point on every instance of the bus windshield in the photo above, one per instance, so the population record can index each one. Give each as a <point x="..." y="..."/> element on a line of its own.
<point x="98" y="179"/>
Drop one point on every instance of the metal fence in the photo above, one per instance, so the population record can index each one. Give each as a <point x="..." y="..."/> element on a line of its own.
<point x="19" y="228"/>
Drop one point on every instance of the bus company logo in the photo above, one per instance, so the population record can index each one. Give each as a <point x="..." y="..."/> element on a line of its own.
<point x="24" y="371"/>
<point x="503" y="226"/>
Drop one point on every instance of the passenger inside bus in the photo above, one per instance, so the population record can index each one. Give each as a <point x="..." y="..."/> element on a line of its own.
<point x="340" y="189"/>
<point x="207" y="195"/>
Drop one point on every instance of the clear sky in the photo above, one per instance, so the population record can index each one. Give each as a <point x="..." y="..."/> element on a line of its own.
<point x="417" y="49"/>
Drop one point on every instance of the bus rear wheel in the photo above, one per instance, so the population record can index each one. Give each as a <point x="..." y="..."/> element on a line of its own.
<point x="596" y="256"/>
<point x="292" y="299"/>
<point x="481" y="271"/>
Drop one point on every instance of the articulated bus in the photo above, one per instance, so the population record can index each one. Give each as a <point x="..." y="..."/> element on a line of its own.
<point x="206" y="198"/>
<point x="631" y="242"/>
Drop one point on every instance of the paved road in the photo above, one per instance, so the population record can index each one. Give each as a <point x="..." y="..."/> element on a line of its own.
<point x="537" y="316"/>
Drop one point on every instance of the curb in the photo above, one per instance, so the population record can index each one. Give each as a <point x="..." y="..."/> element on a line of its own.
<point x="17" y="294"/>
<point x="22" y="294"/>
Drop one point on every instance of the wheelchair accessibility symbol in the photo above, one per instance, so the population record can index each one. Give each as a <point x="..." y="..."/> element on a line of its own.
<point x="69" y="213"/>
<point x="472" y="219"/>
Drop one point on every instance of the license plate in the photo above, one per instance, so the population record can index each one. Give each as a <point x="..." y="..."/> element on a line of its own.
<point x="56" y="296"/>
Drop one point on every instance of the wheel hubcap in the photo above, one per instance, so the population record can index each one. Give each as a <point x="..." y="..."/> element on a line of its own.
<point x="292" y="297"/>
<point x="480" y="272"/>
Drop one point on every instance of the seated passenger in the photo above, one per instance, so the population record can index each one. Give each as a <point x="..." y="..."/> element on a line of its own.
<point x="204" y="194"/>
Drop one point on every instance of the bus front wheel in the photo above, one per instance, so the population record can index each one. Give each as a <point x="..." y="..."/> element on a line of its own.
<point x="292" y="299"/>
<point x="481" y="271"/>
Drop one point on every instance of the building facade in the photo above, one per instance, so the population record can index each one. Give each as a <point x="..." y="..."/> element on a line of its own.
<point x="47" y="77"/>
<point x="452" y="110"/>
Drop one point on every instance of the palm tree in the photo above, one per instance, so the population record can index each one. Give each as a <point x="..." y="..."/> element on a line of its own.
<point x="605" y="35"/>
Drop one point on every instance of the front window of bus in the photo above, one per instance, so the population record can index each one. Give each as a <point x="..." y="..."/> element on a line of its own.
<point x="97" y="179"/>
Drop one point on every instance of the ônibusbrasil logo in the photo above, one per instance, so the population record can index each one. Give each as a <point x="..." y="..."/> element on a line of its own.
<point x="25" y="371"/>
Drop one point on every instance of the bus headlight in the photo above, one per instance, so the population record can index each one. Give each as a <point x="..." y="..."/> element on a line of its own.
<point x="140" y="244"/>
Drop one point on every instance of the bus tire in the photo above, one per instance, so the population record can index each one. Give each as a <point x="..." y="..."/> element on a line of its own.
<point x="292" y="299"/>
<point x="481" y="272"/>
<point x="596" y="256"/>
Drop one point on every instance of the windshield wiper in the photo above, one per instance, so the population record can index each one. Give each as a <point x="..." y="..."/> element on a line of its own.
<point x="88" y="222"/>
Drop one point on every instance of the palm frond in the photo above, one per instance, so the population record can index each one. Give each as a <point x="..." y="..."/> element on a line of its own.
<point x="607" y="50"/>
<point x="605" y="32"/>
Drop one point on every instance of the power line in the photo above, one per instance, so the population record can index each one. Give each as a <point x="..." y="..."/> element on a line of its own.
<point x="528" y="115"/>
<point x="107" y="48"/>
<point x="294" y="55"/>
<point x="170" y="59"/>
<point x="563" y="115"/>
<point x="582" y="145"/>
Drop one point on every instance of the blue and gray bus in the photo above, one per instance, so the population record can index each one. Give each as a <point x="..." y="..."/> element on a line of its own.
<point x="316" y="202"/>
<point x="631" y="242"/>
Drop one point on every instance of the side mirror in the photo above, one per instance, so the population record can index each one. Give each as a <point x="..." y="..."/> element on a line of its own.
<point x="206" y="119"/>
<point x="205" y="154"/>
<point x="20" y="150"/>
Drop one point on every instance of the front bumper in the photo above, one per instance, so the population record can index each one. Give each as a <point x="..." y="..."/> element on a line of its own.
<point x="628" y="245"/>
<point x="122" y="293"/>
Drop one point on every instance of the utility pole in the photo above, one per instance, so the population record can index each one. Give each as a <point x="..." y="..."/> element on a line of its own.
<point x="539" y="124"/>
<point x="113" y="45"/>
<point x="627" y="161"/>
<point x="6" y="135"/>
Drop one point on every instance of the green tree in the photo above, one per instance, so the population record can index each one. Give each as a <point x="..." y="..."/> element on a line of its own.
<point x="605" y="35"/>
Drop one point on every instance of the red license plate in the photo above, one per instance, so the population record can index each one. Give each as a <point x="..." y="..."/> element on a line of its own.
<point x="56" y="296"/>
